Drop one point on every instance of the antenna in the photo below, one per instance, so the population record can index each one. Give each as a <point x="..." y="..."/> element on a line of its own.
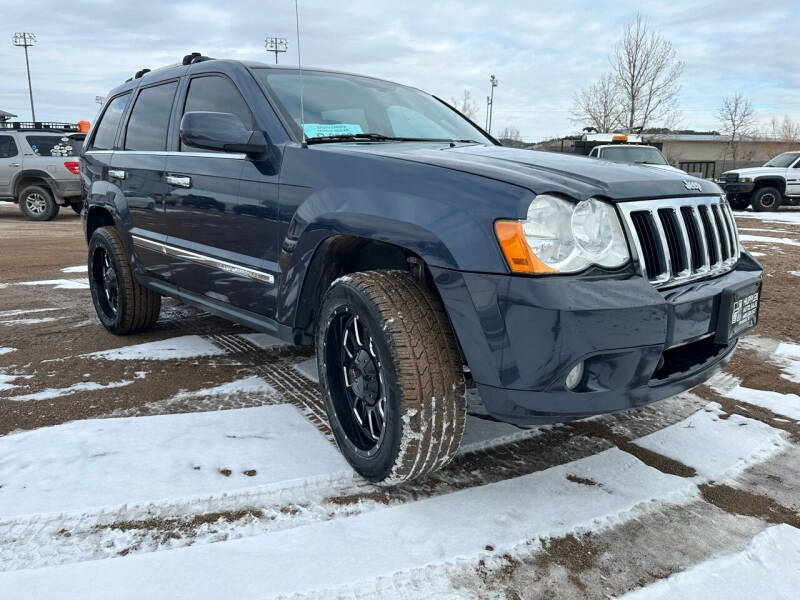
<point x="300" y="70"/>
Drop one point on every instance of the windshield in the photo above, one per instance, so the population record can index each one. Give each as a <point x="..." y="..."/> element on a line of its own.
<point x="634" y="154"/>
<point x="782" y="160"/>
<point x="341" y="106"/>
<point x="54" y="145"/>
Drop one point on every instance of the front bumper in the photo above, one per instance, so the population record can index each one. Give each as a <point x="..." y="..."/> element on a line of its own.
<point x="735" y="187"/>
<point x="522" y="335"/>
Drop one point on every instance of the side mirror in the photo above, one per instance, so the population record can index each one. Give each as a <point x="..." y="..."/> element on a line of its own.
<point x="220" y="131"/>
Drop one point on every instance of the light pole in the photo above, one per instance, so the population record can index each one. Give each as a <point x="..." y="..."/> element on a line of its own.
<point x="490" y="103"/>
<point x="100" y="99"/>
<point x="25" y="40"/>
<point x="276" y="45"/>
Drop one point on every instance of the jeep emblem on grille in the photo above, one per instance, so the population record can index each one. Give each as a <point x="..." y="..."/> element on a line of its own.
<point x="693" y="185"/>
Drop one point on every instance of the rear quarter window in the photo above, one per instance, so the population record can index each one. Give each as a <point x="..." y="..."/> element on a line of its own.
<point x="106" y="130"/>
<point x="8" y="147"/>
<point x="53" y="145"/>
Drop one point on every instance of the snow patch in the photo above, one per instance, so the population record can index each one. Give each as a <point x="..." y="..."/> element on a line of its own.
<point x="248" y="385"/>
<point x="85" y="386"/>
<point x="768" y="240"/>
<point x="769" y="567"/>
<point x="76" y="269"/>
<point x="60" y="284"/>
<point x="187" y="346"/>
<point x="6" y="350"/>
<point x="716" y="448"/>
<point x="30" y="321"/>
<point x="319" y="556"/>
<point x="4" y="314"/>
<point x="783" y="216"/>
<point x="110" y="462"/>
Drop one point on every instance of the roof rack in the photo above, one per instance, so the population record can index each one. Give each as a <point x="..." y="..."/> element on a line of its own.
<point x="140" y="73"/>
<point x="194" y="57"/>
<point x="39" y="126"/>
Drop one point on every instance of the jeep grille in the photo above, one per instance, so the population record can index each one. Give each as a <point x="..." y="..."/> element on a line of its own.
<point x="682" y="239"/>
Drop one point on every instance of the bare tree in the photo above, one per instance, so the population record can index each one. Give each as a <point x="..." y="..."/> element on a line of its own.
<point x="598" y="105"/>
<point x="510" y="136"/>
<point x="737" y="120"/>
<point x="646" y="70"/>
<point x="465" y="105"/>
<point x="784" y="134"/>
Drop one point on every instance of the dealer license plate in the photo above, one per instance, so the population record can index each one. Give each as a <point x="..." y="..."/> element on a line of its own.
<point x="738" y="312"/>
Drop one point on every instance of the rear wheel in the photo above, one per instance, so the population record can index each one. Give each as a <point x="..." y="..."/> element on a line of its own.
<point x="766" y="199"/>
<point x="37" y="203"/>
<point x="391" y="375"/>
<point x="122" y="305"/>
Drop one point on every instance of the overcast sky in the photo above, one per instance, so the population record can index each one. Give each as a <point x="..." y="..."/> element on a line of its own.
<point x="540" y="52"/>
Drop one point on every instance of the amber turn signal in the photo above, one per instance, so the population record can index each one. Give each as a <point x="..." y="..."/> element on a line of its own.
<point x="515" y="248"/>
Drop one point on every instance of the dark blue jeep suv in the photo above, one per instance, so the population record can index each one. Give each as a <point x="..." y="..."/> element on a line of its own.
<point x="418" y="254"/>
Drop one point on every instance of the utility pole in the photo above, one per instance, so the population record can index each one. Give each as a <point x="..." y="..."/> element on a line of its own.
<point x="25" y="40"/>
<point x="490" y="103"/>
<point x="276" y="45"/>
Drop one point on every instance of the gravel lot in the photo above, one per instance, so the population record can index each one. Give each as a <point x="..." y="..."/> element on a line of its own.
<point x="195" y="461"/>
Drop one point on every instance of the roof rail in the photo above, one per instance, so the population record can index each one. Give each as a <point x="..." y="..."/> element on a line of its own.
<point x="39" y="126"/>
<point x="140" y="73"/>
<point x="194" y="57"/>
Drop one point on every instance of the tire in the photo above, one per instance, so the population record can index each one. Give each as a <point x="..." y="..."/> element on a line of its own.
<point x="406" y="360"/>
<point x="738" y="203"/>
<point x="37" y="204"/>
<point x="77" y="207"/>
<point x="765" y="199"/>
<point x="123" y="306"/>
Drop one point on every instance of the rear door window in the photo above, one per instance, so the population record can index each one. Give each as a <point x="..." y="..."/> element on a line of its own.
<point x="8" y="146"/>
<point x="106" y="130"/>
<point x="53" y="145"/>
<point x="214" y="93"/>
<point x="147" y="125"/>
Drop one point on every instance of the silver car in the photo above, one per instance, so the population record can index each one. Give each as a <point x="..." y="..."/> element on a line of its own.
<point x="39" y="169"/>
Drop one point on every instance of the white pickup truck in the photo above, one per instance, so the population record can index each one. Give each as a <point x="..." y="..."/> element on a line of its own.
<point x="635" y="154"/>
<point x="764" y="188"/>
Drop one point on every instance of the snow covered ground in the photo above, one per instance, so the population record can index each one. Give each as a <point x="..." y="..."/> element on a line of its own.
<point x="195" y="462"/>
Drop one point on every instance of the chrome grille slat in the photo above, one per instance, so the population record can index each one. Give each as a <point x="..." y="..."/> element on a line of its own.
<point x="702" y="225"/>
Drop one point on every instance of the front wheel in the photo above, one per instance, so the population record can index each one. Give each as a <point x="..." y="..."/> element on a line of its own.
<point x="766" y="199"/>
<point x="391" y="375"/>
<point x="37" y="203"/>
<point x="122" y="304"/>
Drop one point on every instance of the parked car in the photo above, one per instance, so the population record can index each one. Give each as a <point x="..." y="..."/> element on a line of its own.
<point x="377" y="223"/>
<point x="764" y="188"/>
<point x="636" y="154"/>
<point x="39" y="167"/>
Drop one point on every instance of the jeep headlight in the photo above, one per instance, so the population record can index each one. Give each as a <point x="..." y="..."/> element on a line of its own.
<point x="745" y="179"/>
<point x="559" y="236"/>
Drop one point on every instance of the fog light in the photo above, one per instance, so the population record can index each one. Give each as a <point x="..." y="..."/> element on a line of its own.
<point x="575" y="376"/>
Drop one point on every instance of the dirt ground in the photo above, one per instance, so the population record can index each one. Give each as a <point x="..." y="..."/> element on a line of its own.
<point x="47" y="317"/>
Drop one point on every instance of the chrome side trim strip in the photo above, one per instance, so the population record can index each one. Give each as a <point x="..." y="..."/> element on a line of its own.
<point x="203" y="259"/>
<point x="233" y="155"/>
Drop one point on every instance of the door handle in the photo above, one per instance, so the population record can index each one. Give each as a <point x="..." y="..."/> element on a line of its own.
<point x="117" y="174"/>
<point x="13" y="164"/>
<point x="178" y="181"/>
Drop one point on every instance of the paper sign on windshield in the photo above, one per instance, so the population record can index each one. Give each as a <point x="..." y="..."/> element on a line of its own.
<point x="314" y="130"/>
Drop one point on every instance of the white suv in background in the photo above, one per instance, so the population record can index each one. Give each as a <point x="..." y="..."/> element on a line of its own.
<point x="764" y="188"/>
<point x="635" y="154"/>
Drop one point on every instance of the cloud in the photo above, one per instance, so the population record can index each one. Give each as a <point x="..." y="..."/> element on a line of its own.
<point x="541" y="54"/>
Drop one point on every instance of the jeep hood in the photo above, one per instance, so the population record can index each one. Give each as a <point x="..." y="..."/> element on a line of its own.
<point x="542" y="172"/>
